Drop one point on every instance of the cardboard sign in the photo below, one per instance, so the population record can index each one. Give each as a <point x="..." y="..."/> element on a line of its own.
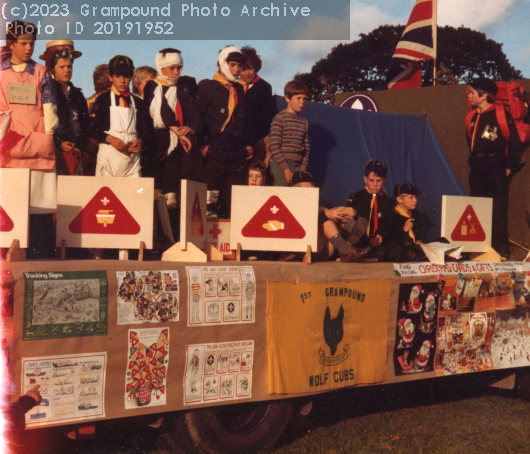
<point x="218" y="234"/>
<point x="467" y="221"/>
<point x="192" y="213"/>
<point x="20" y="93"/>
<point x="14" y="206"/>
<point x="105" y="212"/>
<point x="273" y="219"/>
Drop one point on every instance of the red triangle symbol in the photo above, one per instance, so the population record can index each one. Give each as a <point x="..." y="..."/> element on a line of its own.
<point x="273" y="220"/>
<point x="105" y="214"/>
<point x="468" y="228"/>
<point x="6" y="224"/>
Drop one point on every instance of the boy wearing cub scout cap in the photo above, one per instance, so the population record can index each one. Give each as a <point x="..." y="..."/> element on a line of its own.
<point x="408" y="227"/>
<point x="494" y="157"/>
<point x="26" y="129"/>
<point x="121" y="124"/>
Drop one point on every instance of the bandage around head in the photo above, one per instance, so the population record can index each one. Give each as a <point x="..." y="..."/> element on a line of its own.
<point x="161" y="61"/>
<point x="223" y="65"/>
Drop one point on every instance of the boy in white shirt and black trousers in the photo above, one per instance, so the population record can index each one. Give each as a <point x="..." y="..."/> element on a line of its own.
<point x="121" y="124"/>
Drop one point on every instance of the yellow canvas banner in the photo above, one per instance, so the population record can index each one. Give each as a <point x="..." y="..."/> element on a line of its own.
<point x="326" y="336"/>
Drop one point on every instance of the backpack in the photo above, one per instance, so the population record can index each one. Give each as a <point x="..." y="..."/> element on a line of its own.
<point x="510" y="96"/>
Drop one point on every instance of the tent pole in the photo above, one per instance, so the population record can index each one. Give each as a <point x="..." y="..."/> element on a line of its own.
<point x="434" y="38"/>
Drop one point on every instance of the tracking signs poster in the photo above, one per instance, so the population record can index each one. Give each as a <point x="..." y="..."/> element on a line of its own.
<point x="326" y="336"/>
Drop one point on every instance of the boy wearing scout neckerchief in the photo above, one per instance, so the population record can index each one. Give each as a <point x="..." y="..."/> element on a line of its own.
<point x="223" y="140"/>
<point x="175" y="120"/>
<point x="491" y="167"/>
<point x="121" y="124"/>
<point x="27" y="126"/>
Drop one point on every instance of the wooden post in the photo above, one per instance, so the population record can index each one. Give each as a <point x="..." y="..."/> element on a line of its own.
<point x="124" y="254"/>
<point x="15" y="254"/>
<point x="63" y="249"/>
<point x="141" y="251"/>
<point x="238" y="252"/>
<point x="307" y="256"/>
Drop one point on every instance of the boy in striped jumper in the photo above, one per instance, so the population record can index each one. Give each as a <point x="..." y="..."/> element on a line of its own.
<point x="289" y="143"/>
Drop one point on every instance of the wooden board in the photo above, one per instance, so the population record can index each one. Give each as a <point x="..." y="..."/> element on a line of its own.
<point x="105" y="212"/>
<point x="14" y="206"/>
<point x="273" y="218"/>
<point x="192" y="213"/>
<point x="467" y="218"/>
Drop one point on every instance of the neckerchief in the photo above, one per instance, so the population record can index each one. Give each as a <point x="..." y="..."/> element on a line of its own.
<point x="373" y="212"/>
<point x="246" y="85"/>
<point x="480" y="112"/>
<point x="122" y="96"/>
<point x="406" y="214"/>
<point x="178" y="108"/>
<point x="232" y="99"/>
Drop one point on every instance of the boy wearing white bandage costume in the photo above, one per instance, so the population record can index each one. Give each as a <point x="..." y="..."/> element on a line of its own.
<point x="175" y="120"/>
<point x="223" y="140"/>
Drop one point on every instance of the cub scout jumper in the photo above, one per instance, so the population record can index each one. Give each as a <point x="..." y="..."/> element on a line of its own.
<point x="121" y="124"/>
<point x="26" y="131"/>
<point x="175" y="121"/>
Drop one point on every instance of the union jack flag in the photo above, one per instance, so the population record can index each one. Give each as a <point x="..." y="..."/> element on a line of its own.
<point x="416" y="44"/>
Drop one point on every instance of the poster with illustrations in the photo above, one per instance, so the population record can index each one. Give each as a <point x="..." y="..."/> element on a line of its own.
<point x="504" y="298"/>
<point x="147" y="364"/>
<point x="466" y="302"/>
<point x="217" y="372"/>
<point x="219" y="295"/>
<point x="464" y="343"/>
<point x="72" y="387"/>
<point x="416" y="327"/>
<point x="148" y="296"/>
<point x="451" y="292"/>
<point x="65" y="304"/>
<point x="511" y="338"/>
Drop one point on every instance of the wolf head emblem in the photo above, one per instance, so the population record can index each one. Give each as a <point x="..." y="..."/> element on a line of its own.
<point x="333" y="330"/>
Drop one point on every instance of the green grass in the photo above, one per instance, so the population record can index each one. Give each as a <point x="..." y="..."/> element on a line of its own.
<point x="449" y="416"/>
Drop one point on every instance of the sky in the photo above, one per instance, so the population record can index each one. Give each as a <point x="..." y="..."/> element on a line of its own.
<point x="504" y="21"/>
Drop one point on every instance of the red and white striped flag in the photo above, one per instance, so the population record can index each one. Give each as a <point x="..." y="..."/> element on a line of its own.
<point x="417" y="43"/>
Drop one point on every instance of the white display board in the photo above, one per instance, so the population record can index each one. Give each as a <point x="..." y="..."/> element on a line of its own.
<point x="274" y="218"/>
<point x="105" y="212"/>
<point x="192" y="213"/>
<point x="14" y="206"/>
<point x="467" y="221"/>
<point x="218" y="234"/>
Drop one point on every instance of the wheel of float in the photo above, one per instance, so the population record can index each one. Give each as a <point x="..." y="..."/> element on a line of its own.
<point x="233" y="429"/>
<point x="522" y="383"/>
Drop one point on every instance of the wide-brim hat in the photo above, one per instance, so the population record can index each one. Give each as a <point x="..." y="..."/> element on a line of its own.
<point x="64" y="47"/>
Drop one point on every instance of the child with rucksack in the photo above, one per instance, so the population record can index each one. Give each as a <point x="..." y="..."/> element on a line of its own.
<point x="494" y="157"/>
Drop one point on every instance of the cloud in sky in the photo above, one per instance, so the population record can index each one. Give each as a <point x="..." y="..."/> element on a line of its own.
<point x="475" y="14"/>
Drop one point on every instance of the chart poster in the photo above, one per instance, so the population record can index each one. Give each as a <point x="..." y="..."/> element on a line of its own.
<point x="464" y="343"/>
<point x="65" y="304"/>
<point x="511" y="338"/>
<point x="326" y="336"/>
<point x="221" y="295"/>
<point x="148" y="296"/>
<point x="416" y="327"/>
<point x="218" y="372"/>
<point x="145" y="378"/>
<point x="72" y="387"/>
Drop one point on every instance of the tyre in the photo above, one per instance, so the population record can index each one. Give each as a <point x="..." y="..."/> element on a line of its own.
<point x="522" y="383"/>
<point x="233" y="429"/>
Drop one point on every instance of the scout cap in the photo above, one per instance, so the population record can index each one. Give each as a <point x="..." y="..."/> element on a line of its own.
<point x="121" y="65"/>
<point x="302" y="177"/>
<point x="484" y="84"/>
<point x="376" y="166"/>
<point x="406" y="188"/>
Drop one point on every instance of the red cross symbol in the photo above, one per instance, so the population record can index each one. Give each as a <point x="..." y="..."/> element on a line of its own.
<point x="214" y="231"/>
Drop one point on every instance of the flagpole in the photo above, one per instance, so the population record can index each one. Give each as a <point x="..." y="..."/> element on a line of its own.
<point x="434" y="38"/>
